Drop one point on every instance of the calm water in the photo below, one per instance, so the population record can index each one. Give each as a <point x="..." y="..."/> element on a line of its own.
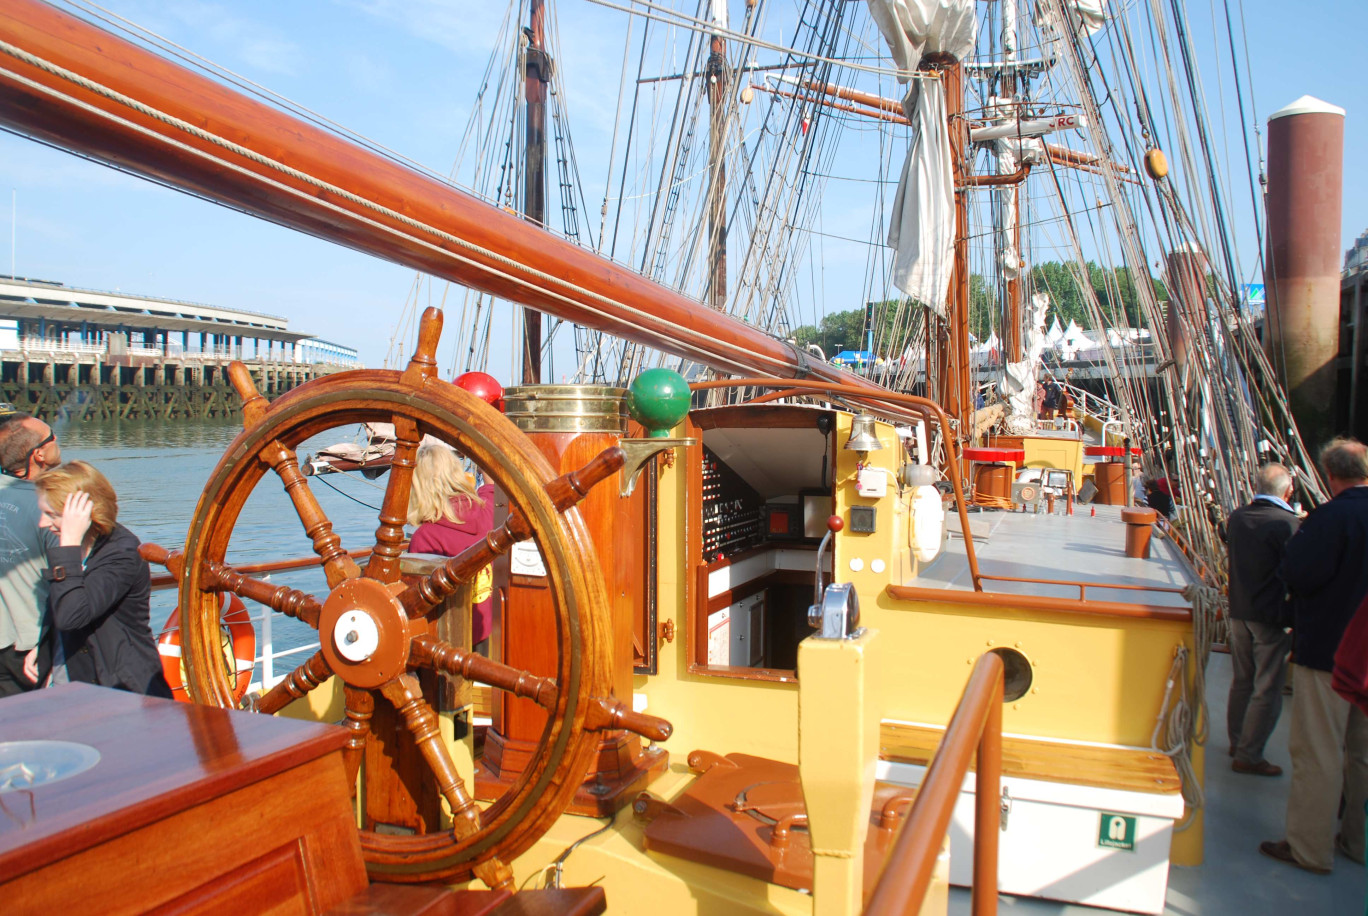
<point x="159" y="468"/>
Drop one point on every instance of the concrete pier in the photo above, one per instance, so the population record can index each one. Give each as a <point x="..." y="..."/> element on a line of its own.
<point x="68" y="384"/>
<point x="79" y="354"/>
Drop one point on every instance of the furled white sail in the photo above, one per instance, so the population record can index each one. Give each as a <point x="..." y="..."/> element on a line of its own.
<point x="1019" y="381"/>
<point x="922" y="225"/>
<point x="1084" y="17"/>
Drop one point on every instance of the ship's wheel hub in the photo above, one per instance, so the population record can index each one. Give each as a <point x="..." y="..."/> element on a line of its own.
<point x="366" y="633"/>
<point x="355" y="636"/>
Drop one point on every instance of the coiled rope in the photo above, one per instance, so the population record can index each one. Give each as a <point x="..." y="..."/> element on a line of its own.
<point x="1183" y="720"/>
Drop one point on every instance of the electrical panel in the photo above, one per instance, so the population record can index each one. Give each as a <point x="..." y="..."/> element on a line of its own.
<point x="731" y="511"/>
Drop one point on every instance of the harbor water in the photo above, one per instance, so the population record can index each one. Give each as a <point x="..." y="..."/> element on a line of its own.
<point x="159" y="469"/>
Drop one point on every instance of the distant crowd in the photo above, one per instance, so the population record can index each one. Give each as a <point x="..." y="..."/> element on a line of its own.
<point x="1297" y="606"/>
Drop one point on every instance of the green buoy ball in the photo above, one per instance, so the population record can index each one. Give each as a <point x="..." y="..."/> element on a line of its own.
<point x="658" y="400"/>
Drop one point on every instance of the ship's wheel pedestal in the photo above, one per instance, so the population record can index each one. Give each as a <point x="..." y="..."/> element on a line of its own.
<point x="567" y="422"/>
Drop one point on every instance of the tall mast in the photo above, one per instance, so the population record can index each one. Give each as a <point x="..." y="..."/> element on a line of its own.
<point x="538" y="74"/>
<point x="1007" y="196"/>
<point x="715" y="73"/>
<point x="953" y="362"/>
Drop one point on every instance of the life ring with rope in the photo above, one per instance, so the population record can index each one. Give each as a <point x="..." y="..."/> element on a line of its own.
<point x="237" y="637"/>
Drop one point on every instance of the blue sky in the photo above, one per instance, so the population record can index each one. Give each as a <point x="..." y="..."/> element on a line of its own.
<point x="402" y="72"/>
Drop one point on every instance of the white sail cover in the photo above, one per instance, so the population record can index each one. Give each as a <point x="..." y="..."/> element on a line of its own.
<point x="922" y="226"/>
<point x="1019" y="381"/>
<point x="1085" y="17"/>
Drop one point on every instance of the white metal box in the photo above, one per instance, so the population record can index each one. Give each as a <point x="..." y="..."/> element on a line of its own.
<point x="1079" y="844"/>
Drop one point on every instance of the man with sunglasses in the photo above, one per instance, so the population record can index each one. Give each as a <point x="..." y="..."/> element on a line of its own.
<point x="28" y="446"/>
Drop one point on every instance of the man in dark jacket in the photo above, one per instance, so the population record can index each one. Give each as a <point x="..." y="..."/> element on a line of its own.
<point x="1257" y="534"/>
<point x="1325" y="568"/>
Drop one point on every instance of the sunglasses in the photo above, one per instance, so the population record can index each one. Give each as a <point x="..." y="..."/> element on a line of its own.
<point x="28" y="459"/>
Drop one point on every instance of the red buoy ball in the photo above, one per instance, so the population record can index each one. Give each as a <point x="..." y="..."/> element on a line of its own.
<point x="483" y="385"/>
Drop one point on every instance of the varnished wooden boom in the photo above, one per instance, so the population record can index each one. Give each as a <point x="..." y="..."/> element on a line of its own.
<point x="68" y="83"/>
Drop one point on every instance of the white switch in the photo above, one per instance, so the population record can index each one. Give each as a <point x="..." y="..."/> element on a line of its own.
<point x="871" y="483"/>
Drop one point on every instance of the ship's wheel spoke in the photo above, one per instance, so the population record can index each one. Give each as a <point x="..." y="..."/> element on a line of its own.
<point x="389" y="537"/>
<point x="433" y="652"/>
<point x="602" y="713"/>
<point x="406" y="696"/>
<point x="568" y="489"/>
<point x="360" y="706"/>
<point x="337" y="564"/>
<point x="565" y="491"/>
<point x="295" y="685"/>
<point x="288" y="601"/>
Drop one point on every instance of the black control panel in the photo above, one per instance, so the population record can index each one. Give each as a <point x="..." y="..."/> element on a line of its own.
<point x="732" y="511"/>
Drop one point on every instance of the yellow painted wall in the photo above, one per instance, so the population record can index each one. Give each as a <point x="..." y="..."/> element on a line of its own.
<point x="1046" y="452"/>
<point x="1095" y="678"/>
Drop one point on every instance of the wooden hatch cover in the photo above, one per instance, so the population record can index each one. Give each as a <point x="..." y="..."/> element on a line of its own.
<point x="746" y="814"/>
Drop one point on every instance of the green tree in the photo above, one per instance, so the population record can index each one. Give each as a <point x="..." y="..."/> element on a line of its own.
<point x="844" y="330"/>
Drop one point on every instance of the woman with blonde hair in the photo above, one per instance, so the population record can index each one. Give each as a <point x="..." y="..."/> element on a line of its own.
<point x="451" y="515"/>
<point x="98" y="587"/>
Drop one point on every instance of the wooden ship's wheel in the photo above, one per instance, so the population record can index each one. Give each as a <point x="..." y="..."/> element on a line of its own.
<point x="376" y="632"/>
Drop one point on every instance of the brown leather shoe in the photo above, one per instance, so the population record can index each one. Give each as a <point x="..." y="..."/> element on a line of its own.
<point x="1283" y="853"/>
<point x="1262" y="768"/>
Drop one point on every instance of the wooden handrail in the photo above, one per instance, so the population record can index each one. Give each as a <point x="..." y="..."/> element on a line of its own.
<point x="999" y="600"/>
<point x="1186" y="549"/>
<point x="269" y="566"/>
<point x="976" y="727"/>
<point x="1084" y="586"/>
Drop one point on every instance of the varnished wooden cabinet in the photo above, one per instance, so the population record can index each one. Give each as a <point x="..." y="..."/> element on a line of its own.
<point x="188" y="810"/>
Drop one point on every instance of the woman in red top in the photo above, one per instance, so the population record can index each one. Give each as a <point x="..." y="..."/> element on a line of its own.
<point x="451" y="515"/>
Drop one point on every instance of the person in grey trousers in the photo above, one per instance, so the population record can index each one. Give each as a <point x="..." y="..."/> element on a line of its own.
<point x="1257" y="535"/>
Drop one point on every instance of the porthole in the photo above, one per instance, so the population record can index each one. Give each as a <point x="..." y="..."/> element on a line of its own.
<point x="1016" y="674"/>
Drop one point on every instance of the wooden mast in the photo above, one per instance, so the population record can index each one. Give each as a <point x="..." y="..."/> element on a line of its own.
<point x="76" y="86"/>
<point x="715" y="78"/>
<point x="538" y="74"/>
<point x="954" y="364"/>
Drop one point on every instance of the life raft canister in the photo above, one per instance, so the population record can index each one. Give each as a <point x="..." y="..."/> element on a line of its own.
<point x="237" y="637"/>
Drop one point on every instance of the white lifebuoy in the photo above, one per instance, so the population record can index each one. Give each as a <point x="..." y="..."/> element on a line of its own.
<point x="928" y="523"/>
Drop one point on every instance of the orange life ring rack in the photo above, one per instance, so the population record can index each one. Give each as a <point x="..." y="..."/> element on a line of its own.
<point x="239" y="648"/>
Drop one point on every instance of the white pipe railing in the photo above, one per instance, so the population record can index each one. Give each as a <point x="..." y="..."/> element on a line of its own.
<point x="267" y="656"/>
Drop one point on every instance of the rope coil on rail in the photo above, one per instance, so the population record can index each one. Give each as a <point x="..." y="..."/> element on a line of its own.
<point x="1183" y="720"/>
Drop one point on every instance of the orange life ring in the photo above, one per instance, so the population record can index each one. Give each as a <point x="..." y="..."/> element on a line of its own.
<point x="239" y="648"/>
